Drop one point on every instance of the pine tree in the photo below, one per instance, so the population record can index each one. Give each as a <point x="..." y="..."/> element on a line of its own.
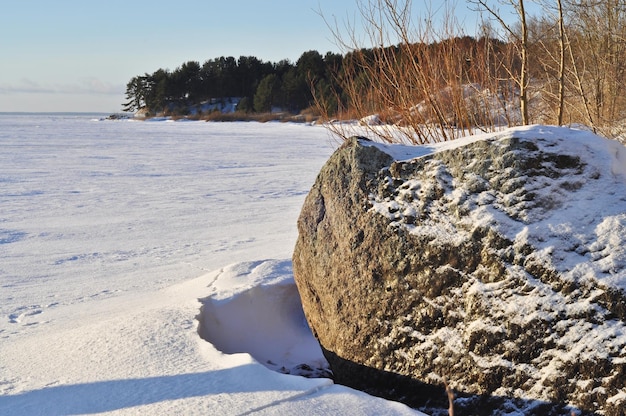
<point x="135" y="94"/>
<point x="265" y="94"/>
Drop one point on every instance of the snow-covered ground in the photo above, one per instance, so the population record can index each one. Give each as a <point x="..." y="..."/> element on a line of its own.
<point x="114" y="235"/>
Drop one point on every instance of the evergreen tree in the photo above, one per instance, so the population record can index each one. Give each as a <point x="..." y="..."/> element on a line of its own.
<point x="292" y="90"/>
<point x="190" y="72"/>
<point x="265" y="94"/>
<point x="245" y="105"/>
<point x="311" y="65"/>
<point x="249" y="73"/>
<point x="157" y="86"/>
<point x="135" y="94"/>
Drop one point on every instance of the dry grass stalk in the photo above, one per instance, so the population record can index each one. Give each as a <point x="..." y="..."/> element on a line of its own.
<point x="450" y="394"/>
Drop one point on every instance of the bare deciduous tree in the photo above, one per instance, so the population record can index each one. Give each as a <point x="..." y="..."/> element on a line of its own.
<point x="597" y="30"/>
<point x="417" y="73"/>
<point x="520" y="40"/>
<point x="426" y="81"/>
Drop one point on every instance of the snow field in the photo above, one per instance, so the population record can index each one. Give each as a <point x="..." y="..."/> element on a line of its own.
<point x="114" y="234"/>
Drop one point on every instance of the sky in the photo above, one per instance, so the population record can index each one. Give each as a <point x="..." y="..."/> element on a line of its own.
<point x="77" y="55"/>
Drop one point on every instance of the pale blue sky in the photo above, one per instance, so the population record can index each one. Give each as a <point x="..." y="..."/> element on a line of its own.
<point x="78" y="55"/>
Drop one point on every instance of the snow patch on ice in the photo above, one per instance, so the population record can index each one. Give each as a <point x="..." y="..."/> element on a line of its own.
<point x="255" y="308"/>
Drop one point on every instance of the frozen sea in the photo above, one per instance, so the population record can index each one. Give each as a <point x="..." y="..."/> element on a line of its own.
<point x="111" y="232"/>
<point x="94" y="208"/>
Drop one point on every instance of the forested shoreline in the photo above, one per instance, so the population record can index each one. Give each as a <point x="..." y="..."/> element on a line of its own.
<point x="258" y="86"/>
<point x="564" y="66"/>
<point x="315" y="83"/>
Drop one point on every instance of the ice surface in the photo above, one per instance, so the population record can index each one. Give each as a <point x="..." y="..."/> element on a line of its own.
<point x="110" y="232"/>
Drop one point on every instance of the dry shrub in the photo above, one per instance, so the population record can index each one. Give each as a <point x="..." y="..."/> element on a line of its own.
<point x="433" y="84"/>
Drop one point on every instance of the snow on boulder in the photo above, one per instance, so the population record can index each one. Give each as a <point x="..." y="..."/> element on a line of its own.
<point x="497" y="263"/>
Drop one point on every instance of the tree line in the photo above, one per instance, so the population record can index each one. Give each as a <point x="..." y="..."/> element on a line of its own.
<point x="259" y="85"/>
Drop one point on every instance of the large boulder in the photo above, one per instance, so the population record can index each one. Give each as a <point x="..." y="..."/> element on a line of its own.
<point x="497" y="264"/>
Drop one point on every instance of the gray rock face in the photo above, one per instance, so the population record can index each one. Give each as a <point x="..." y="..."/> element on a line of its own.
<point x="493" y="265"/>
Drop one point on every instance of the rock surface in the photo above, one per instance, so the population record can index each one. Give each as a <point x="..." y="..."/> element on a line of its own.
<point x="497" y="264"/>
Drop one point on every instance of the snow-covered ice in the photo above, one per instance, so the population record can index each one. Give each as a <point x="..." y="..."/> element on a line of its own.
<point x="114" y="235"/>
